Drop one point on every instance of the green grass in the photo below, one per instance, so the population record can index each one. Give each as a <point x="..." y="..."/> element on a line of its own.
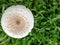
<point x="46" y="29"/>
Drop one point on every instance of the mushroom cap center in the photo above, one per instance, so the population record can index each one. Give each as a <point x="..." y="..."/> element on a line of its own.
<point x="16" y="23"/>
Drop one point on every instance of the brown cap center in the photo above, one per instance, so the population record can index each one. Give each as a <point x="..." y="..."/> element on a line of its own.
<point x="16" y="23"/>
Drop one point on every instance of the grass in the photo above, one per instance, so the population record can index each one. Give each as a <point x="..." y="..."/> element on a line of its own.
<point x="46" y="29"/>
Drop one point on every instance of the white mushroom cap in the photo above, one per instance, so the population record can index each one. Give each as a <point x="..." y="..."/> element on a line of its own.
<point x="17" y="21"/>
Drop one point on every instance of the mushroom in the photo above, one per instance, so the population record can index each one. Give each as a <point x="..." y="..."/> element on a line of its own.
<point x="17" y="21"/>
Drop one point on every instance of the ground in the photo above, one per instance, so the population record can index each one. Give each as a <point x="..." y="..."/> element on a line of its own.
<point x="46" y="29"/>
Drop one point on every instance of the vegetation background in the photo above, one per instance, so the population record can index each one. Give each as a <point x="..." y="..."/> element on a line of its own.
<point x="46" y="29"/>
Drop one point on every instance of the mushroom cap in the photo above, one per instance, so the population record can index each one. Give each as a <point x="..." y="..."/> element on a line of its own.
<point x="17" y="21"/>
